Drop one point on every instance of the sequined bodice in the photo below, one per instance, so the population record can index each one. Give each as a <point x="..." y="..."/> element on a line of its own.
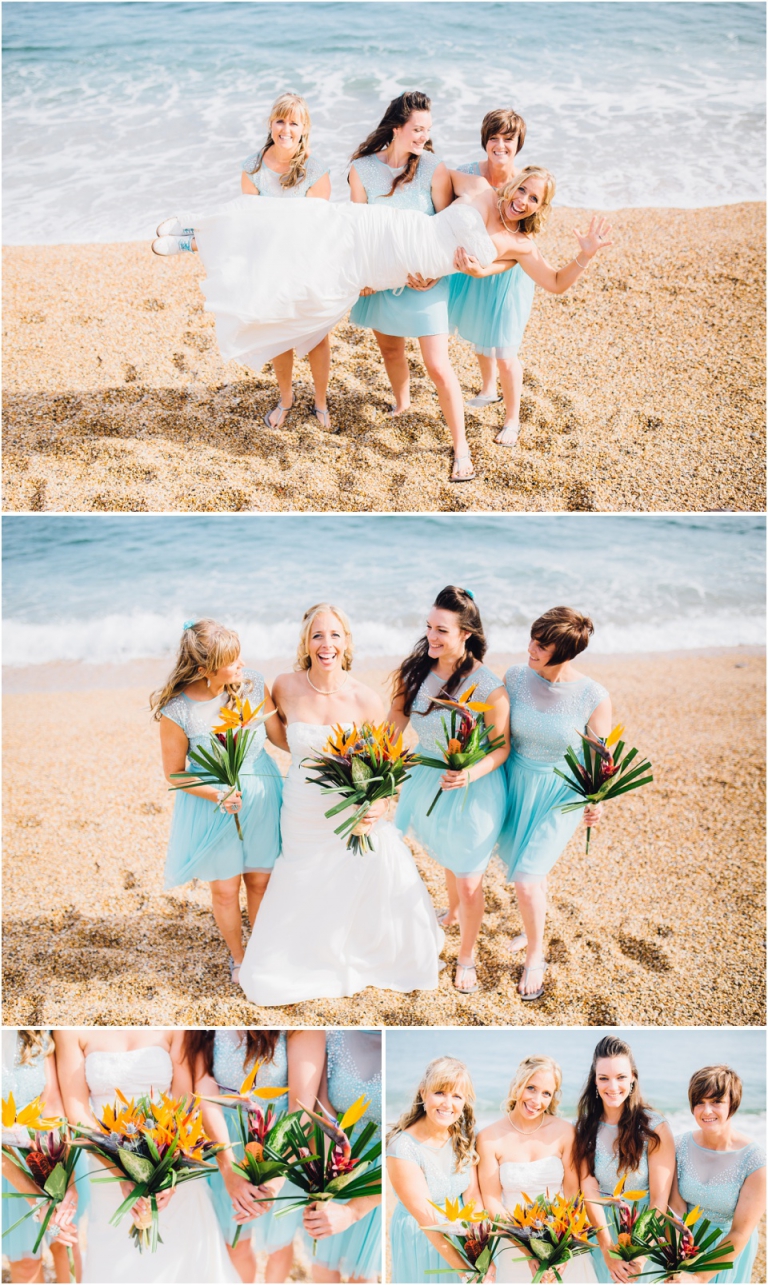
<point x="472" y="168"/>
<point x="438" y="1166"/>
<point x="267" y="182"/>
<point x="607" y="1164"/>
<point x="132" y="1071"/>
<point x="197" y="718"/>
<point x="429" y="726"/>
<point x="377" y="177"/>
<point x="544" y="716"/>
<point x="229" y="1069"/>
<point x="345" y="1083"/>
<point x="713" y="1179"/>
<point x="25" y="1082"/>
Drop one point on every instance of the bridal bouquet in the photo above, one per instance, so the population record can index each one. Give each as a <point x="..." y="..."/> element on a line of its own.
<point x="603" y="775"/>
<point x="222" y="763"/>
<point x="155" y="1146"/>
<point x="551" y="1231"/>
<point x="477" y="1243"/>
<point x="41" y="1150"/>
<point x="468" y="741"/>
<point x="363" y="766"/>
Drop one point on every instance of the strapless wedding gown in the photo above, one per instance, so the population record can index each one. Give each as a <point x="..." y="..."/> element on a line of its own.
<point x="281" y="274"/>
<point x="535" y="1178"/>
<point x="333" y="922"/>
<point x="192" y="1248"/>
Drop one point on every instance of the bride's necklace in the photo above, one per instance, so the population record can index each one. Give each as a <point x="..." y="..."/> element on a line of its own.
<point x="504" y="221"/>
<point x="526" y="1132"/>
<point x="321" y="690"/>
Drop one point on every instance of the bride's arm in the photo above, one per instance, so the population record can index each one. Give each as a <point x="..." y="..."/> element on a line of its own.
<point x="488" y="1175"/>
<point x="275" y="725"/>
<point x="558" y="280"/>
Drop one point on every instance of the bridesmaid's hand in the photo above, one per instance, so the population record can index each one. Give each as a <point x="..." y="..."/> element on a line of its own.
<point x="467" y="263"/>
<point x="455" y="780"/>
<point x="595" y="239"/>
<point x="366" y="290"/>
<point x="244" y="1197"/>
<point x="620" y="1271"/>
<point x="592" y="815"/>
<point x="233" y="803"/>
<point x="417" y="282"/>
<point x="327" y="1219"/>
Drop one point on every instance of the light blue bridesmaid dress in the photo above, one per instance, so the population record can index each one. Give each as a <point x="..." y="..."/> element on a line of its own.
<point x="406" y="313"/>
<point x="204" y="842"/>
<point x="607" y="1175"/>
<point x="355" y="1252"/>
<point x="713" y="1181"/>
<point x="464" y="825"/>
<point x="491" y="313"/>
<point x="544" y="717"/>
<point x="268" y="1234"/>
<point x="413" y="1255"/>
<point x="267" y="182"/>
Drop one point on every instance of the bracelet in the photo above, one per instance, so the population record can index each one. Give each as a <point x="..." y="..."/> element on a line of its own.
<point x="582" y="265"/>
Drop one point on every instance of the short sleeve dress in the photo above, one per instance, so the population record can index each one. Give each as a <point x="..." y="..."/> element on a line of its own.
<point x="413" y="1255"/>
<point x="713" y="1180"/>
<point x="204" y="842"/>
<point x="607" y="1175"/>
<point x="267" y="182"/>
<point x="406" y="313"/>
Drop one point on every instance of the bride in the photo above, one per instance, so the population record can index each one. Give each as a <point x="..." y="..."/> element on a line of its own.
<point x="333" y="922"/>
<point x="92" y="1065"/>
<point x="529" y="1151"/>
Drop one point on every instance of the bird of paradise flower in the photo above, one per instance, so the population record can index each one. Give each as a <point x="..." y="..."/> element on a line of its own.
<point x="469" y="740"/>
<point x="48" y="1160"/>
<point x="472" y="1233"/>
<point x="603" y="775"/>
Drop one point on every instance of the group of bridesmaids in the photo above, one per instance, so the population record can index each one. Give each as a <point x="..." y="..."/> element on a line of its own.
<point x="76" y="1073"/>
<point x="510" y="803"/>
<point x="434" y="1153"/>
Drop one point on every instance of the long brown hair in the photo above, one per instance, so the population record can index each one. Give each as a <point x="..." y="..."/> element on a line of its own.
<point x="408" y="678"/>
<point x="298" y="166"/>
<point x="197" y="1049"/>
<point x="398" y="113"/>
<point x="446" y="1073"/>
<point x="634" y="1132"/>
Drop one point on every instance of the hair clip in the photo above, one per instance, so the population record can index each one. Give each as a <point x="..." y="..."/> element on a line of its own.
<point x="470" y="594"/>
<point x="188" y="624"/>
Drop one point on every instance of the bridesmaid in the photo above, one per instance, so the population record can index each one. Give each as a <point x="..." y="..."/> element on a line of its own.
<point x="464" y="825"/>
<point x="722" y="1171"/>
<point x="619" y="1136"/>
<point x="204" y="842"/>
<point x="491" y="312"/>
<point x="349" y="1233"/>
<point x="29" y="1071"/>
<point x="431" y="1158"/>
<point x="396" y="165"/>
<point x="220" y="1061"/>
<point x="548" y="698"/>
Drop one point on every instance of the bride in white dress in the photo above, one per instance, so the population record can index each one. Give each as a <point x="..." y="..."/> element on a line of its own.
<point x="92" y="1064"/>
<point x="333" y="922"/>
<point x="529" y="1151"/>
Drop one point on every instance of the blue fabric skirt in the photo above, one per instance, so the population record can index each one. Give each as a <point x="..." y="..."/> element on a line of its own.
<point x="535" y="831"/>
<point x="413" y="1255"/>
<point x="354" y="1252"/>
<point x="464" y="826"/>
<point x="408" y="314"/>
<point x="18" y="1243"/>
<point x="741" y="1272"/>
<point x="491" y="313"/>
<point x="204" y="843"/>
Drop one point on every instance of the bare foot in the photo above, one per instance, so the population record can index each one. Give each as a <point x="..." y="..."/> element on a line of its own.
<point x="396" y="410"/>
<point x="519" y="942"/>
<point x="509" y="433"/>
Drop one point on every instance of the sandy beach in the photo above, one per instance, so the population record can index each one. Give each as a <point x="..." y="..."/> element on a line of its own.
<point x="643" y="389"/>
<point x="662" y="924"/>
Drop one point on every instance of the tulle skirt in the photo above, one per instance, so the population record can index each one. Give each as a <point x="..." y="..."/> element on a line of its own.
<point x="354" y="1252"/>
<point x="535" y="831"/>
<point x="491" y="313"/>
<point x="413" y="1255"/>
<point x="204" y="842"/>
<point x="464" y="826"/>
<point x="407" y="313"/>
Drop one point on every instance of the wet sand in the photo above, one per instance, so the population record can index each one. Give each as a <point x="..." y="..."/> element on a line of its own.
<point x="643" y="389"/>
<point x="662" y="924"/>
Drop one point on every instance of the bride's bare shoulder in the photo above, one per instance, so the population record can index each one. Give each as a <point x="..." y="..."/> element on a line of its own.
<point x="288" y="684"/>
<point x="369" y="701"/>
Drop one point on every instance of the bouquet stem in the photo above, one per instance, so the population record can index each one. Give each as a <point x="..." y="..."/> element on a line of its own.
<point x="589" y="831"/>
<point x="71" y="1261"/>
<point x="240" y="832"/>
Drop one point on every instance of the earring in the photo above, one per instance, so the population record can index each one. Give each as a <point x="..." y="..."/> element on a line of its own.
<point x="597" y="1092"/>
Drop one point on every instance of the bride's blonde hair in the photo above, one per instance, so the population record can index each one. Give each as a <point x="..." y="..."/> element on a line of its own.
<point x="303" y="658"/>
<point x="446" y="1073"/>
<point x="525" y="1073"/>
<point x="532" y="223"/>
<point x="206" y="645"/>
<point x="298" y="167"/>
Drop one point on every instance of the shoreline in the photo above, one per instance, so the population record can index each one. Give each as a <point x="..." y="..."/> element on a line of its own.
<point x="643" y="389"/>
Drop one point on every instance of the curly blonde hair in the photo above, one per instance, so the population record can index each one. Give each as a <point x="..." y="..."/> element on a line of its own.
<point x="536" y="222"/>
<point x="446" y="1073"/>
<point x="206" y="645"/>
<point x="280" y="108"/>
<point x="34" y="1045"/>
<point x="303" y="658"/>
<point x="525" y="1073"/>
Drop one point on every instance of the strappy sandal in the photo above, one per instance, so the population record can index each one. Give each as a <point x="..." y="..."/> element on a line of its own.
<point x="441" y="916"/>
<point x="457" y="462"/>
<point x="513" y="440"/>
<point x="465" y="968"/>
<point x="234" y="972"/>
<point x="324" y="417"/>
<point x="535" y="968"/>
<point x="282" y="410"/>
<point x="480" y="402"/>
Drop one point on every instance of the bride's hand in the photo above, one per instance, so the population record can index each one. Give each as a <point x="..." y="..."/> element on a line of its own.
<point x="596" y="238"/>
<point x="366" y="290"/>
<point x="375" y="811"/>
<point x="467" y="263"/>
<point x="455" y="780"/>
<point x="417" y="282"/>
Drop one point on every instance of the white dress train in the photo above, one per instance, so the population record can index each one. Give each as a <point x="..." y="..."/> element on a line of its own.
<point x="333" y="922"/>
<point x="192" y="1248"/>
<point x="281" y="274"/>
<point x="535" y="1178"/>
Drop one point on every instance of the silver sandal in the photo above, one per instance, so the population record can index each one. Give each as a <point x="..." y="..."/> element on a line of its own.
<point x="533" y="994"/>
<point x="466" y="968"/>
<point x="457" y="461"/>
<point x="283" y="411"/>
<point x="324" y="416"/>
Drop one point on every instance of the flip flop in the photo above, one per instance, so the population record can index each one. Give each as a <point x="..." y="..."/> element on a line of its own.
<point x="465" y="968"/>
<point x="533" y="994"/>
<point x="457" y="462"/>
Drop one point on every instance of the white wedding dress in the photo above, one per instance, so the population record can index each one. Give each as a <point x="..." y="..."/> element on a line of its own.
<point x="535" y="1178"/>
<point x="192" y="1248"/>
<point x="281" y="274"/>
<point x="332" y="921"/>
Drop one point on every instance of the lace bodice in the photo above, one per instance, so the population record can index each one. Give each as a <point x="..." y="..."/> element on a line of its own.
<point x="544" y="716"/>
<point x="345" y="1081"/>
<point x="438" y="1166"/>
<point x="377" y="177"/>
<point x="534" y="1177"/>
<point x="429" y="726"/>
<point x="229" y="1067"/>
<point x="607" y="1164"/>
<point x="133" y="1072"/>
<point x="713" y="1179"/>
<point x="267" y="182"/>
<point x="197" y="718"/>
<point x="25" y="1083"/>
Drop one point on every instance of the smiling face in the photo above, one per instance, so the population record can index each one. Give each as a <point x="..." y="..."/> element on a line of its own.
<point x="539" y="656"/>
<point x="412" y="136"/>
<point x="445" y="637"/>
<point x="326" y="642"/>
<point x="502" y="149"/>
<point x="614" y="1079"/>
<point x="536" y="1096"/>
<point x="227" y="675"/>
<point x="287" y="129"/>
<point x="529" y="197"/>
<point x="712" y="1114"/>
<point x="443" y="1106"/>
